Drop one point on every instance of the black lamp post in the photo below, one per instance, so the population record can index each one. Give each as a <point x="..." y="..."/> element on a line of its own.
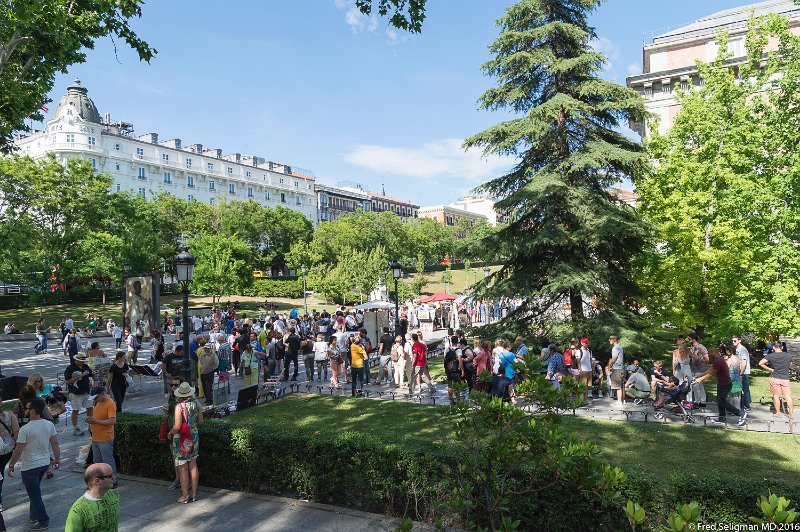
<point x="397" y="273"/>
<point x="305" y="303"/>
<point x="184" y="271"/>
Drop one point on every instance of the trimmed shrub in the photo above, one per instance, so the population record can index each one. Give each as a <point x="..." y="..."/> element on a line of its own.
<point x="288" y="287"/>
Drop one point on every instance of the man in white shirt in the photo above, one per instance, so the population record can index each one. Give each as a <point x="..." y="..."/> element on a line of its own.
<point x="69" y="324"/>
<point x="744" y="369"/>
<point x="584" y="356"/>
<point x="116" y="332"/>
<point x="34" y="442"/>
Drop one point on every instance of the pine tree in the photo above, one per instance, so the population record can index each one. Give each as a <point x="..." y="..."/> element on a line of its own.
<point x="569" y="242"/>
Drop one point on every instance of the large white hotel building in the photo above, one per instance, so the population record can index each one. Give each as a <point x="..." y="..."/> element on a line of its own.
<point x="147" y="166"/>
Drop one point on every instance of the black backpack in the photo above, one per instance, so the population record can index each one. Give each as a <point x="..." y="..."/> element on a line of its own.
<point x="451" y="362"/>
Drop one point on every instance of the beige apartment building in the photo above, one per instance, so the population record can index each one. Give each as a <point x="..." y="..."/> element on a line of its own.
<point x="669" y="59"/>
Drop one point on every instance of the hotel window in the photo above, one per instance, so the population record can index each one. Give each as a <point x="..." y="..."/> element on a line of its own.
<point x="249" y="192"/>
<point x="167" y="178"/>
<point x="280" y="180"/>
<point x="117" y="146"/>
<point x="297" y="200"/>
<point x="230" y="170"/>
<point x="93" y="162"/>
<point x="268" y="196"/>
<point x="211" y="201"/>
<point x="247" y="173"/>
<point x="231" y="188"/>
<point x="142" y="192"/>
<point x="119" y="187"/>
<point x="296" y="184"/>
<point x="188" y="163"/>
<point x="189" y="198"/>
<point x="139" y="153"/>
<point x="142" y="174"/>
<point x="70" y="138"/>
<point x="210" y="166"/>
<point x="116" y="166"/>
<point x="53" y="139"/>
<point x="91" y="141"/>
<point x="212" y="185"/>
<point x="165" y="156"/>
<point x="190" y="181"/>
<point x="283" y="197"/>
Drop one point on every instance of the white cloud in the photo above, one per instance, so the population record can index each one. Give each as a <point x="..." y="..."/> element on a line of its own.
<point x="608" y="48"/>
<point x="341" y="4"/>
<point x="435" y="160"/>
<point x="359" y="21"/>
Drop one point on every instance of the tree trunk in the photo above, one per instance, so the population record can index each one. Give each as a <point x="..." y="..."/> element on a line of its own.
<point x="576" y="306"/>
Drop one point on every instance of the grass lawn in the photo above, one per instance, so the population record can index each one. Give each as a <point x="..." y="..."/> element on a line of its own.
<point x="460" y="283"/>
<point x="647" y="448"/>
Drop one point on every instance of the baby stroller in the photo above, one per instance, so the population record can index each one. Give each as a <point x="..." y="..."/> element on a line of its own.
<point x="674" y="402"/>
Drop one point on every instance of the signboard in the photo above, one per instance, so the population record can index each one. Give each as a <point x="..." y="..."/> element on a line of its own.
<point x="140" y="302"/>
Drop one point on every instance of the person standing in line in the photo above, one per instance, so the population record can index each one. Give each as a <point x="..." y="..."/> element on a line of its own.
<point x="293" y="344"/>
<point x="249" y="364"/>
<point x="385" y="345"/>
<point x="399" y="360"/>
<point x="584" y="356"/>
<point x="616" y="366"/>
<point x="118" y="379"/>
<point x="9" y="430"/>
<point x="35" y="442"/>
<point x="98" y="508"/>
<point x="419" y="363"/>
<point x="699" y="366"/>
<point x="79" y="380"/>
<point x="321" y="357"/>
<point x="358" y="356"/>
<point x="132" y="343"/>
<point x="308" y="357"/>
<point x="719" y="368"/>
<point x="777" y="363"/>
<point x="102" y="421"/>
<point x="744" y="369"/>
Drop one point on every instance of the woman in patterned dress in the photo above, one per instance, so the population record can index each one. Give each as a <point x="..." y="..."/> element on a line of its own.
<point x="189" y="410"/>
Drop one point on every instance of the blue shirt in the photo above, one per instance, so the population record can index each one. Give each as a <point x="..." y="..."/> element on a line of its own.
<point x="293" y="314"/>
<point x="507" y="360"/>
<point x="193" y="347"/>
<point x="522" y="350"/>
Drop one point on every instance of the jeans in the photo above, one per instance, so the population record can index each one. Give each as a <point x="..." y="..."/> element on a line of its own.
<point x="746" y="392"/>
<point x="308" y="362"/>
<point x="119" y="397"/>
<point x="722" y="401"/>
<point x="356" y="373"/>
<point x="117" y="342"/>
<point x="386" y="362"/>
<point x="103" y="451"/>
<point x="366" y="371"/>
<point x="289" y="359"/>
<point x="269" y="367"/>
<point x="42" y="341"/>
<point x="322" y="370"/>
<point x="32" y="479"/>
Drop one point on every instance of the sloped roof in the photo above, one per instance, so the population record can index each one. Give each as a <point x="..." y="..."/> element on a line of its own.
<point x="729" y="18"/>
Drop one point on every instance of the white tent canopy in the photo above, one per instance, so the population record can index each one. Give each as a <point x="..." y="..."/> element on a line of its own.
<point x="375" y="305"/>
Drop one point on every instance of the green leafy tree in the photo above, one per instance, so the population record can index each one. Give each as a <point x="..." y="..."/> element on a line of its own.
<point x="39" y="39"/>
<point x="223" y="265"/>
<point x="722" y="197"/>
<point x="569" y="243"/>
<point x="403" y="14"/>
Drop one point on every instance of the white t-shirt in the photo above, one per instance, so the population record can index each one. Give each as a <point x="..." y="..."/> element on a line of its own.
<point x="585" y="359"/>
<point x="496" y="353"/>
<point x="744" y="354"/>
<point x="36" y="437"/>
<point x="129" y="341"/>
<point x="320" y="351"/>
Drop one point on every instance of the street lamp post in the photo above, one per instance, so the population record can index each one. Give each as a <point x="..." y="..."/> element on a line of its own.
<point x="305" y="302"/>
<point x="486" y="272"/>
<point x="184" y="271"/>
<point x="397" y="273"/>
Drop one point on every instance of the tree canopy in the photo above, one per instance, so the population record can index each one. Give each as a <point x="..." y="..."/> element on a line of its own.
<point x="569" y="242"/>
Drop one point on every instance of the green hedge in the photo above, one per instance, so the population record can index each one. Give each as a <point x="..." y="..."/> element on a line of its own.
<point x="289" y="287"/>
<point x="349" y="469"/>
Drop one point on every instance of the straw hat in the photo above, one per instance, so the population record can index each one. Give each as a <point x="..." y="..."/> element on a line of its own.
<point x="184" y="390"/>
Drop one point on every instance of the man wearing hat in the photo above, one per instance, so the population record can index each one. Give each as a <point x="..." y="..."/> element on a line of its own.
<point x="79" y="380"/>
<point x="102" y="421"/>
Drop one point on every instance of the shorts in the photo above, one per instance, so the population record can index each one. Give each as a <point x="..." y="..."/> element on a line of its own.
<point x="616" y="378"/>
<point x="779" y="387"/>
<point x="454" y="378"/>
<point x="637" y="393"/>
<point x="79" y="402"/>
<point x="585" y="377"/>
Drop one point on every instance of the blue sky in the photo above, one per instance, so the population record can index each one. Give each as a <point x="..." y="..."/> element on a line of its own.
<point x="318" y="86"/>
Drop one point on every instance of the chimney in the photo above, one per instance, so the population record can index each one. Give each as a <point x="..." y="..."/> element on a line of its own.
<point x="172" y="143"/>
<point x="213" y="152"/>
<point x="152" y="138"/>
<point x="196" y="148"/>
<point x="108" y="118"/>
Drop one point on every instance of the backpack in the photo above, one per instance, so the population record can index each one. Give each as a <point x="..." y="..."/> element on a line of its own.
<point x="135" y="342"/>
<point x="451" y="362"/>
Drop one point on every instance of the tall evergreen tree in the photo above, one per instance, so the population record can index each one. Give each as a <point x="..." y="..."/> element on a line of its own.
<point x="568" y="247"/>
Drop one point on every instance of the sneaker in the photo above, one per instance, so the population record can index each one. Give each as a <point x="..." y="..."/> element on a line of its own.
<point x="637" y="401"/>
<point x="746" y="409"/>
<point x="37" y="526"/>
<point x="78" y="432"/>
<point x="716" y="421"/>
<point x="600" y="395"/>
